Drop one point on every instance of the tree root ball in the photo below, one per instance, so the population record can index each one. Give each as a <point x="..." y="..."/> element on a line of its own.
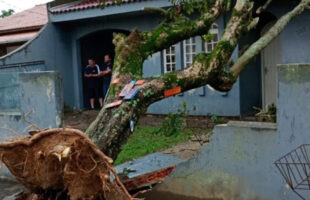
<point x="64" y="160"/>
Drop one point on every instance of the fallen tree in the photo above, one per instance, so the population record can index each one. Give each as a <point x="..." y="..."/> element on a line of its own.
<point x="111" y="128"/>
<point x="60" y="162"/>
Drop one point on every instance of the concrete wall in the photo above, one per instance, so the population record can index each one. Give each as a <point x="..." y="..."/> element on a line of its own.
<point x="21" y="93"/>
<point x="239" y="161"/>
<point x="49" y="50"/>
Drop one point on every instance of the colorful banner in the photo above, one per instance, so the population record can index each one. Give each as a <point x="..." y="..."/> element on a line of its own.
<point x="127" y="88"/>
<point x="114" y="104"/>
<point x="172" y="92"/>
<point x="116" y="81"/>
<point x="140" y="82"/>
<point x="132" y="94"/>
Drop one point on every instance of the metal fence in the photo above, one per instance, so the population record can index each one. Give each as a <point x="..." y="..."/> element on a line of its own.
<point x="295" y="168"/>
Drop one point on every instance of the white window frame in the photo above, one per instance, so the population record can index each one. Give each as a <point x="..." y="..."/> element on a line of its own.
<point x="192" y="44"/>
<point x="214" y="31"/>
<point x="170" y="55"/>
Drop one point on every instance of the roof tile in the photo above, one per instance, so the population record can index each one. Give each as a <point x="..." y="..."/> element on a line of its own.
<point x="83" y="5"/>
<point x="30" y="19"/>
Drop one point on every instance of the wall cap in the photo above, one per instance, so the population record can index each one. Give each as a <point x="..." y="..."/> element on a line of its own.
<point x="256" y="125"/>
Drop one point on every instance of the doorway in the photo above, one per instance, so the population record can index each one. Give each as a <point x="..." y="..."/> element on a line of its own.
<point x="271" y="57"/>
<point x="96" y="45"/>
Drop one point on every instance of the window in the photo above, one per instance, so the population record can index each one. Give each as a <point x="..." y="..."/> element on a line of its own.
<point x="170" y="59"/>
<point x="189" y="53"/>
<point x="210" y="44"/>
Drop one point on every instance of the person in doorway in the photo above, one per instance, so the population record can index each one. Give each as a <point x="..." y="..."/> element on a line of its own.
<point x="106" y="73"/>
<point x="92" y="73"/>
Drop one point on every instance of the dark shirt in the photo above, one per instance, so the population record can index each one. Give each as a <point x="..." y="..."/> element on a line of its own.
<point x="107" y="78"/>
<point x="92" y="82"/>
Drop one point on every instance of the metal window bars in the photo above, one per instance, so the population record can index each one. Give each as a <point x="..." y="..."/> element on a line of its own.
<point x="295" y="168"/>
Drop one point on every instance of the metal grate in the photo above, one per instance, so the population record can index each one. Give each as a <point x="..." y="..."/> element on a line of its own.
<point x="295" y="168"/>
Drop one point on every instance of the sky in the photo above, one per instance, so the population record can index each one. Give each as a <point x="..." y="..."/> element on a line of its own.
<point x="20" y="5"/>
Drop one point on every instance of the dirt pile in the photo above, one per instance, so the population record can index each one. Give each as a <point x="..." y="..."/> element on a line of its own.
<point x="62" y="162"/>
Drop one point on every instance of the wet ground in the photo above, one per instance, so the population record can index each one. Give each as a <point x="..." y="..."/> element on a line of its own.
<point x="8" y="189"/>
<point x="155" y="195"/>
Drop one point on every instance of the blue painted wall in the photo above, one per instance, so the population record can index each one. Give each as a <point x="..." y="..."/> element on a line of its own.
<point x="238" y="164"/>
<point x="58" y="47"/>
<point x="50" y="50"/>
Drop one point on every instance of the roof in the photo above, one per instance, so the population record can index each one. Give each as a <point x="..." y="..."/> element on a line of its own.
<point x="17" y="37"/>
<point x="83" y="5"/>
<point x="31" y="19"/>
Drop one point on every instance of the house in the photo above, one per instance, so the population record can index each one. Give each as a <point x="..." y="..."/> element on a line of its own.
<point x="17" y="29"/>
<point x="77" y="30"/>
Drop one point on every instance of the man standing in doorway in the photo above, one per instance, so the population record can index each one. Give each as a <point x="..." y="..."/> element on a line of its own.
<point x="106" y="73"/>
<point x="91" y="73"/>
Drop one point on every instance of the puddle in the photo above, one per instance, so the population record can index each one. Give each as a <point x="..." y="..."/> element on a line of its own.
<point x="155" y="195"/>
<point x="8" y="189"/>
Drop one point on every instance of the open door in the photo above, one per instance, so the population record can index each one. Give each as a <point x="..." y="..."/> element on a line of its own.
<point x="271" y="57"/>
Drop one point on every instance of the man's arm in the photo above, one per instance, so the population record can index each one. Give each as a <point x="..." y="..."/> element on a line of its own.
<point x="105" y="72"/>
<point x="86" y="75"/>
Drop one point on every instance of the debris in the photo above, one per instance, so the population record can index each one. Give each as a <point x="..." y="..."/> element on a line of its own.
<point x="62" y="162"/>
<point x="132" y="125"/>
<point x="140" y="82"/>
<point x="116" y="81"/>
<point x="131" y="94"/>
<point x="201" y="138"/>
<point x="147" y="171"/>
<point x="294" y="167"/>
<point x="114" y="104"/>
<point x="127" y="88"/>
<point x="173" y="92"/>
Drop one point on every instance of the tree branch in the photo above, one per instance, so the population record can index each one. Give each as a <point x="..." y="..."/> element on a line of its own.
<point x="208" y="69"/>
<point x="131" y="51"/>
<point x="160" y="11"/>
<point x="274" y="31"/>
<point x="264" y="7"/>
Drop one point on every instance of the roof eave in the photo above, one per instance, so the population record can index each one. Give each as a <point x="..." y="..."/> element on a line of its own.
<point x="22" y="29"/>
<point x="111" y="10"/>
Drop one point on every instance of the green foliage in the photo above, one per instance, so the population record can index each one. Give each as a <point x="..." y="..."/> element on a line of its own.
<point x="148" y="92"/>
<point x="102" y="2"/>
<point x="208" y="37"/>
<point x="190" y="6"/>
<point x="6" y="13"/>
<point x="269" y="113"/>
<point x="201" y="57"/>
<point x="143" y="141"/>
<point x="173" y="123"/>
<point x="215" y="119"/>
<point x="170" y="80"/>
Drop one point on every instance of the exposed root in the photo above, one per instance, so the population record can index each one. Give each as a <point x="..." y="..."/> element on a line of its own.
<point x="62" y="162"/>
